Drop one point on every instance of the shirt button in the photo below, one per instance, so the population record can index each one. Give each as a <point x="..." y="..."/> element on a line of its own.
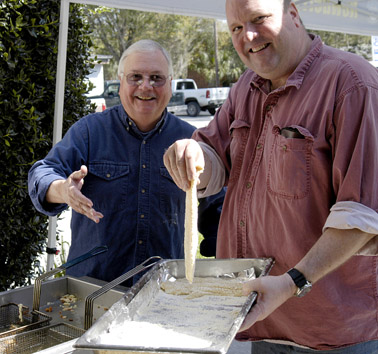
<point x="108" y="175"/>
<point x="259" y="146"/>
<point x="130" y="123"/>
<point x="144" y="142"/>
<point x="143" y="166"/>
<point x="284" y="148"/>
<point x="248" y="185"/>
<point x="142" y="216"/>
<point x="143" y="191"/>
<point x="242" y="223"/>
<point x="140" y="242"/>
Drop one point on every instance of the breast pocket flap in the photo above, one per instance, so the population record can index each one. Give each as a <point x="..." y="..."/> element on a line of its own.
<point x="109" y="171"/>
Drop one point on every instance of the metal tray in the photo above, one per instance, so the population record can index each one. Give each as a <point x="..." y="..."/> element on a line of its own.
<point x="138" y="302"/>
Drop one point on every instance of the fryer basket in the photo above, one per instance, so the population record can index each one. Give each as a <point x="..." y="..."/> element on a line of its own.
<point x="11" y="324"/>
<point x="39" y="339"/>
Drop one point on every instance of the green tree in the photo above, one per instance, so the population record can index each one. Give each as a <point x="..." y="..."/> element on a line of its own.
<point x="114" y="30"/>
<point x="183" y="36"/>
<point x="28" y="59"/>
<point x="353" y="43"/>
<point x="203" y="60"/>
<point x="190" y="40"/>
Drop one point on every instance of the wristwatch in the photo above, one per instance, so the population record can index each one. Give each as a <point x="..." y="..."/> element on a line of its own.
<point x="303" y="285"/>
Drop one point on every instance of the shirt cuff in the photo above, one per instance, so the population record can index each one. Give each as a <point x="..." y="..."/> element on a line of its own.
<point x="218" y="173"/>
<point x="50" y="209"/>
<point x="349" y="215"/>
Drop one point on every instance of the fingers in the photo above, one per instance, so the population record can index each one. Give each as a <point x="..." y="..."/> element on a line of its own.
<point x="252" y="317"/>
<point x="174" y="161"/>
<point x="272" y="292"/>
<point x="250" y="286"/>
<point x="76" y="200"/>
<point x="83" y="205"/>
<point x="93" y="215"/>
<point x="183" y="160"/>
<point x="78" y="176"/>
<point x="257" y="310"/>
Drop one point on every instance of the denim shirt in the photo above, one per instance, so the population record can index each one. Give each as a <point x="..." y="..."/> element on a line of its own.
<point x="128" y="183"/>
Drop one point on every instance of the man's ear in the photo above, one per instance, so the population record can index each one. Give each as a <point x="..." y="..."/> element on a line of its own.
<point x="294" y="13"/>
<point x="170" y="85"/>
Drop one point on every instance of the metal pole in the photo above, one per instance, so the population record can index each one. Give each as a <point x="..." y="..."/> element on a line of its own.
<point x="216" y="54"/>
<point x="58" y="111"/>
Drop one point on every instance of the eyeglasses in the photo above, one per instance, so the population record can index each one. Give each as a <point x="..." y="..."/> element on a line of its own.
<point x="155" y="80"/>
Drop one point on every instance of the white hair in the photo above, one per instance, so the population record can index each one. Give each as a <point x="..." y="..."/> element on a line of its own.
<point x="145" y="46"/>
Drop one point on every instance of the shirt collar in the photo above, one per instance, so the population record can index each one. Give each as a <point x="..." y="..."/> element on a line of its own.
<point x="132" y="127"/>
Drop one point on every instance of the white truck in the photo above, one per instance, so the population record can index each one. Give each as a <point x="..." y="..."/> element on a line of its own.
<point x="202" y="99"/>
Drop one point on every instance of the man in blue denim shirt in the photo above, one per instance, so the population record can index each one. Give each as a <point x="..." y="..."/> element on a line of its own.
<point x="109" y="169"/>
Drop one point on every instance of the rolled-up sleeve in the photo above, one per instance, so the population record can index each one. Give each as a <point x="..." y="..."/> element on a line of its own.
<point x="39" y="180"/>
<point x="218" y="174"/>
<point x="348" y="215"/>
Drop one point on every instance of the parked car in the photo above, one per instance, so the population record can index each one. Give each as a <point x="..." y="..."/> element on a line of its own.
<point x="110" y="97"/>
<point x="201" y="99"/>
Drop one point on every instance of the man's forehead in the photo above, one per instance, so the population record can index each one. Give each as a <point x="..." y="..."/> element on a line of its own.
<point x="252" y="5"/>
<point x="146" y="62"/>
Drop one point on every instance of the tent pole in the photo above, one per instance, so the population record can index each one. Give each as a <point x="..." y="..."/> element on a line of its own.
<point x="58" y="111"/>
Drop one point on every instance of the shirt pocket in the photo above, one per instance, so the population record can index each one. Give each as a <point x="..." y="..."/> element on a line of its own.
<point x="107" y="185"/>
<point x="289" y="169"/>
<point x="172" y="198"/>
<point x="239" y="132"/>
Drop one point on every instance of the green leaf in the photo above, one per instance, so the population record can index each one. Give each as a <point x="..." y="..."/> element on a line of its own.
<point x="28" y="57"/>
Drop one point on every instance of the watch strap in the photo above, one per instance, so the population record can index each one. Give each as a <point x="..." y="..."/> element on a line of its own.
<point x="298" y="278"/>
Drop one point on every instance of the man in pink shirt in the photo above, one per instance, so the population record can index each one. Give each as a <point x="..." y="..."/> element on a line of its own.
<point x="297" y="145"/>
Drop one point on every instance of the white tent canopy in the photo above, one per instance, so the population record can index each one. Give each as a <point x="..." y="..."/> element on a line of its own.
<point x="346" y="16"/>
<point x="349" y="16"/>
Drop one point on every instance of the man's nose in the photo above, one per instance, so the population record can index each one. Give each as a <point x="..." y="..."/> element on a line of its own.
<point x="250" y="32"/>
<point x="146" y="83"/>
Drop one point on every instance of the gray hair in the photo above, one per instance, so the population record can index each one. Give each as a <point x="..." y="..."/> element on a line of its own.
<point x="145" y="46"/>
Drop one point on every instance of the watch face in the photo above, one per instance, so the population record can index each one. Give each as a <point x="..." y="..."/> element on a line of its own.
<point x="303" y="290"/>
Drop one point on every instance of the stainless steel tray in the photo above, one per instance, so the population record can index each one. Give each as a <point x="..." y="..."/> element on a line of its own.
<point x="137" y="302"/>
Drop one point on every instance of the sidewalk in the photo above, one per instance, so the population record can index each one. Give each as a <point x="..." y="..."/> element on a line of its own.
<point x="240" y="348"/>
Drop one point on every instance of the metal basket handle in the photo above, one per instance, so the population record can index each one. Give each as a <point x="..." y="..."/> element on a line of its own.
<point x="38" y="282"/>
<point x="89" y="300"/>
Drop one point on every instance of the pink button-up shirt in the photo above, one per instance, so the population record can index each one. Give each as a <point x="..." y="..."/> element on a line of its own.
<point x="282" y="184"/>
